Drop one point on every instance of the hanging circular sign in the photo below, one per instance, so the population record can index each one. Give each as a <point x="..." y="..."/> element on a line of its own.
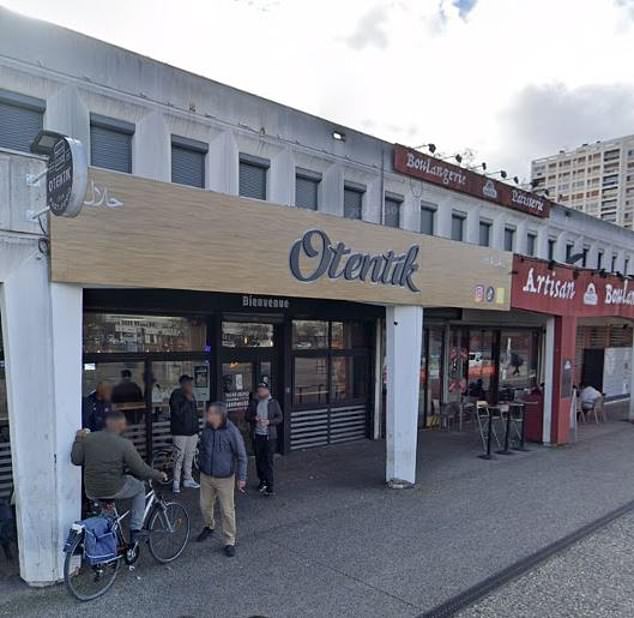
<point x="67" y="177"/>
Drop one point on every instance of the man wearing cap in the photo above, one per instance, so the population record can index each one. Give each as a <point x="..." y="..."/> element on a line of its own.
<point x="264" y="415"/>
<point x="184" y="427"/>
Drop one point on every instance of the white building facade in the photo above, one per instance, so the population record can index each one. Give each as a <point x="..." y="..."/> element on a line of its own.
<point x="201" y="144"/>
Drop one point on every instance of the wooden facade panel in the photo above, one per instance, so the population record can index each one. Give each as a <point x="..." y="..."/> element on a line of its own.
<point x="145" y="233"/>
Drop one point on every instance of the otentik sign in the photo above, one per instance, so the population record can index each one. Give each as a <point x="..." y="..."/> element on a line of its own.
<point x="66" y="177"/>
<point x="564" y="290"/>
<point x="422" y="166"/>
<point x="314" y="256"/>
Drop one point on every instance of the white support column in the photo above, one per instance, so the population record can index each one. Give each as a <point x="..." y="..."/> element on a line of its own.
<point x="404" y="334"/>
<point x="42" y="339"/>
<point x="67" y="320"/>
<point x="549" y="376"/>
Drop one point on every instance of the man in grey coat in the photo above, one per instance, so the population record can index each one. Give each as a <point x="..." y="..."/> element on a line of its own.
<point x="264" y="415"/>
<point x="221" y="458"/>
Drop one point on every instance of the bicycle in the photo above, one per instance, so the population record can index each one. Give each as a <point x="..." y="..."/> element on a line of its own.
<point x="162" y="521"/>
<point x="164" y="460"/>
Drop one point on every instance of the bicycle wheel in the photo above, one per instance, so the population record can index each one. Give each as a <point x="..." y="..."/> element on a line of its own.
<point x="169" y="530"/>
<point x="85" y="581"/>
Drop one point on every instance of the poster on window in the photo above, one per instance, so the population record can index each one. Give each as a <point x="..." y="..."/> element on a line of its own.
<point x="617" y="370"/>
<point x="201" y="382"/>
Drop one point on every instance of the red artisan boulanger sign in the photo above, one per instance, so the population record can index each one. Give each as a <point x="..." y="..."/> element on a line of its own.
<point x="565" y="290"/>
<point x="422" y="166"/>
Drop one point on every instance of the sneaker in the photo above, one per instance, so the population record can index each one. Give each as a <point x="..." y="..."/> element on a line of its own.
<point x="176" y="488"/>
<point x="191" y="484"/>
<point x="230" y="551"/>
<point x="268" y="491"/>
<point x="204" y="535"/>
<point x="262" y="486"/>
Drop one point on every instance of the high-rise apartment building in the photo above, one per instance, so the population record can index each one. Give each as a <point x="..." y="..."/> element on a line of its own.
<point x="597" y="179"/>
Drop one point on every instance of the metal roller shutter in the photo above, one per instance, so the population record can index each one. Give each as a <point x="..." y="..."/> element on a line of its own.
<point x="111" y="148"/>
<point x="324" y="426"/>
<point x="188" y="166"/>
<point x="19" y="126"/>
<point x="306" y="192"/>
<point x="352" y="203"/>
<point x="252" y="179"/>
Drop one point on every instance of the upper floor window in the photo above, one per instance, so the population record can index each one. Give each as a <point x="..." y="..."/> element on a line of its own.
<point x="307" y="189"/>
<point x="531" y="243"/>
<point x="457" y="226"/>
<point x="570" y="248"/>
<point x="626" y="266"/>
<point x="393" y="210"/>
<point x="188" y="161"/>
<point x="253" y="176"/>
<point x="613" y="265"/>
<point x="353" y="201"/>
<point x="584" y="259"/>
<point x="484" y="236"/>
<point x="21" y="119"/>
<point x="427" y="218"/>
<point x="552" y="244"/>
<point x="599" y="260"/>
<point x="509" y="238"/>
<point x="111" y="143"/>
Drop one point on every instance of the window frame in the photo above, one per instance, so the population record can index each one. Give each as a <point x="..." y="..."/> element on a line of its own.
<point x="244" y="158"/>
<point x="488" y="225"/>
<point x="432" y="209"/>
<point x="462" y="217"/>
<point x="114" y="125"/>
<point x="398" y="200"/>
<point x="359" y="189"/>
<point x="310" y="176"/>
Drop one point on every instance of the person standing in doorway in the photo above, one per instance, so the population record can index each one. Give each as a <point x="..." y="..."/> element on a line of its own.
<point x="264" y="415"/>
<point x="184" y="427"/>
<point x="223" y="457"/>
<point x="127" y="391"/>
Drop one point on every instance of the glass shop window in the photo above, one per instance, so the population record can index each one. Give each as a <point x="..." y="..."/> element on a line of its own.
<point x="310" y="381"/>
<point x="117" y="332"/>
<point x="310" y="334"/>
<point x="518" y="363"/>
<point x="247" y="335"/>
<point x="348" y="335"/>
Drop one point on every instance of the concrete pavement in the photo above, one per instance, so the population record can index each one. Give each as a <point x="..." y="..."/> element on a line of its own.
<point x="335" y="542"/>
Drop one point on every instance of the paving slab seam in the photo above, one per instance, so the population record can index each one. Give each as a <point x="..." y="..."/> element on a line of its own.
<point x="482" y="589"/>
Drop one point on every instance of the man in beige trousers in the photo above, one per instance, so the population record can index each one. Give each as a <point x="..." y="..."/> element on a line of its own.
<point x="221" y="457"/>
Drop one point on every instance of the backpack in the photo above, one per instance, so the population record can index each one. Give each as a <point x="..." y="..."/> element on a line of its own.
<point x="100" y="539"/>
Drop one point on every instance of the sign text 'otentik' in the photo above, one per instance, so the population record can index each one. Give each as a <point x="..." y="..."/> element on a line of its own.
<point x="338" y="261"/>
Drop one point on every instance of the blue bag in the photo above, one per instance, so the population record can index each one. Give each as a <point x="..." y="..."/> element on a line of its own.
<point x="100" y="539"/>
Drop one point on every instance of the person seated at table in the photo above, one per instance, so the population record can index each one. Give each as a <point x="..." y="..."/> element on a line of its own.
<point x="588" y="397"/>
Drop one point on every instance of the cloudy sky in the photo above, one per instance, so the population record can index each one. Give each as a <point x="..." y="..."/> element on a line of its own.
<point x="510" y="79"/>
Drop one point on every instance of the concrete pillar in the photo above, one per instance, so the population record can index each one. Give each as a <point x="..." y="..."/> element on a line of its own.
<point x="68" y="114"/>
<point x="630" y="414"/>
<point x="549" y="363"/>
<point x="282" y="178"/>
<point x="42" y="340"/>
<point x="404" y="334"/>
<point x="561" y="337"/>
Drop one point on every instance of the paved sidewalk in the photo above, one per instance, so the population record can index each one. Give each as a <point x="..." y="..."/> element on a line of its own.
<point x="336" y="542"/>
<point x="592" y="579"/>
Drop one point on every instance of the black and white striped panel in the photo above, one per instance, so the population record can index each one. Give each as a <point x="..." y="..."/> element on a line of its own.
<point x="309" y="428"/>
<point x="6" y="471"/>
<point x="348" y="424"/>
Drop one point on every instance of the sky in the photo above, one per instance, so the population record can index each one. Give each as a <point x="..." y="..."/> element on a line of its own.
<point x="511" y="80"/>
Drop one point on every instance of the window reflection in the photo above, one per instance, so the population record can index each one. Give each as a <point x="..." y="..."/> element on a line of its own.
<point x="310" y="334"/>
<point x="247" y="335"/>
<point x="310" y="381"/>
<point x="518" y="362"/>
<point x="110" y="332"/>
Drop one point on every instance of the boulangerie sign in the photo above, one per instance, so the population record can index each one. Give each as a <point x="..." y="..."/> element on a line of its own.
<point x="424" y="167"/>
<point x="564" y="290"/>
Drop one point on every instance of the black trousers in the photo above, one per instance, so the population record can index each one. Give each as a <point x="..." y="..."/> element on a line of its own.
<point x="264" y="453"/>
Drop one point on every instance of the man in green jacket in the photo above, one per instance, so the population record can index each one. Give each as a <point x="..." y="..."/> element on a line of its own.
<point x="105" y="456"/>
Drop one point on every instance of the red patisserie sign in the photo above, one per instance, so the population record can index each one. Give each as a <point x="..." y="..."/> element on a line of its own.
<point x="422" y="166"/>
